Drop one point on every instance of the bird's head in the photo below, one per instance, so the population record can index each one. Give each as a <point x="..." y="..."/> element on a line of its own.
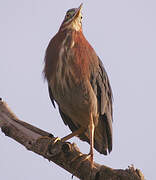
<point x="73" y="19"/>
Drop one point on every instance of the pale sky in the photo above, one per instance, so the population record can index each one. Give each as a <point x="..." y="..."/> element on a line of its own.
<point x="123" y="33"/>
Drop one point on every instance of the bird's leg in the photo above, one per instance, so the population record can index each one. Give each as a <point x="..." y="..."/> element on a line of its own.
<point x="91" y="138"/>
<point x="91" y="128"/>
<point x="75" y="133"/>
<point x="54" y="140"/>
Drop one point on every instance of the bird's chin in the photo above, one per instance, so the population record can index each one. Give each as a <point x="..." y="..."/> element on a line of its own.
<point x="76" y="25"/>
<point x="73" y="25"/>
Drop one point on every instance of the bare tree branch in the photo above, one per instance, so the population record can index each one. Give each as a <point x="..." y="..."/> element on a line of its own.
<point x="66" y="155"/>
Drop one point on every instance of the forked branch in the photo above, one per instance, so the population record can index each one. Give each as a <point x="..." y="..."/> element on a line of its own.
<point x="66" y="155"/>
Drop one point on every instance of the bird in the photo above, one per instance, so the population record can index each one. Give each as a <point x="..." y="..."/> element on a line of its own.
<point x="79" y="85"/>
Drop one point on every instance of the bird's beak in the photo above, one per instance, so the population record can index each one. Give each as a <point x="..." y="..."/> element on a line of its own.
<point x="80" y="7"/>
<point x="78" y="12"/>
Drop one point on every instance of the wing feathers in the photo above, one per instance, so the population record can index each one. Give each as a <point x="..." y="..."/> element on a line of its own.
<point x="102" y="89"/>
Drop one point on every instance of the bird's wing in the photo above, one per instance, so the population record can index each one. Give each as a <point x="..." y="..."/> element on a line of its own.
<point x="104" y="92"/>
<point x="101" y="86"/>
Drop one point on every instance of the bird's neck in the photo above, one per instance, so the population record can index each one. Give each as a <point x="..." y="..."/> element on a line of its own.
<point x="75" y="26"/>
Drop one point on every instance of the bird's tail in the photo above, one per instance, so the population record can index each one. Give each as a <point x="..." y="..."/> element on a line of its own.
<point x="103" y="136"/>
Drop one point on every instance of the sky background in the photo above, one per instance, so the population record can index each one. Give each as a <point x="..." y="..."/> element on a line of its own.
<point x="123" y="33"/>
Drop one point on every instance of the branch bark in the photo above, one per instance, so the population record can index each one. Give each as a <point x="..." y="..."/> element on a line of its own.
<point x="64" y="154"/>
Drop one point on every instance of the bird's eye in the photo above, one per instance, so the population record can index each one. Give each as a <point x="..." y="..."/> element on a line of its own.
<point x="67" y="16"/>
<point x="81" y="17"/>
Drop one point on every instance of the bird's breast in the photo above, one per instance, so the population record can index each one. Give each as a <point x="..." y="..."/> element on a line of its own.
<point x="72" y="64"/>
<point x="71" y="86"/>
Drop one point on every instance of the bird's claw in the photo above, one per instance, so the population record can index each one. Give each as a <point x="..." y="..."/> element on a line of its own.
<point x="83" y="157"/>
<point x="56" y="139"/>
<point x="48" y="144"/>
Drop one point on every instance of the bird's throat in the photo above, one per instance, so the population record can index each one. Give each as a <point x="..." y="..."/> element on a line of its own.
<point x="76" y="25"/>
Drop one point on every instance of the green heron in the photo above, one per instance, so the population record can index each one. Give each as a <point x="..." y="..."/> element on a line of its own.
<point x="78" y="83"/>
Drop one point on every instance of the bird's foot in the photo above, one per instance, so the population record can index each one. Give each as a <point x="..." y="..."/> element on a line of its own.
<point x="56" y="139"/>
<point x="47" y="143"/>
<point x="90" y="158"/>
<point x="51" y="139"/>
<point x="82" y="158"/>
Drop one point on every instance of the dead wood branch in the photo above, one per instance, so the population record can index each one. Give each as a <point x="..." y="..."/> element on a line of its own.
<point x="66" y="155"/>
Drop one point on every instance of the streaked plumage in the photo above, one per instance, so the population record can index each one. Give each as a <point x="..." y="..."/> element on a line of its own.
<point x="78" y="83"/>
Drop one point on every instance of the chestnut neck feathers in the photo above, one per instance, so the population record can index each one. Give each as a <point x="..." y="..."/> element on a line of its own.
<point x="67" y="50"/>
